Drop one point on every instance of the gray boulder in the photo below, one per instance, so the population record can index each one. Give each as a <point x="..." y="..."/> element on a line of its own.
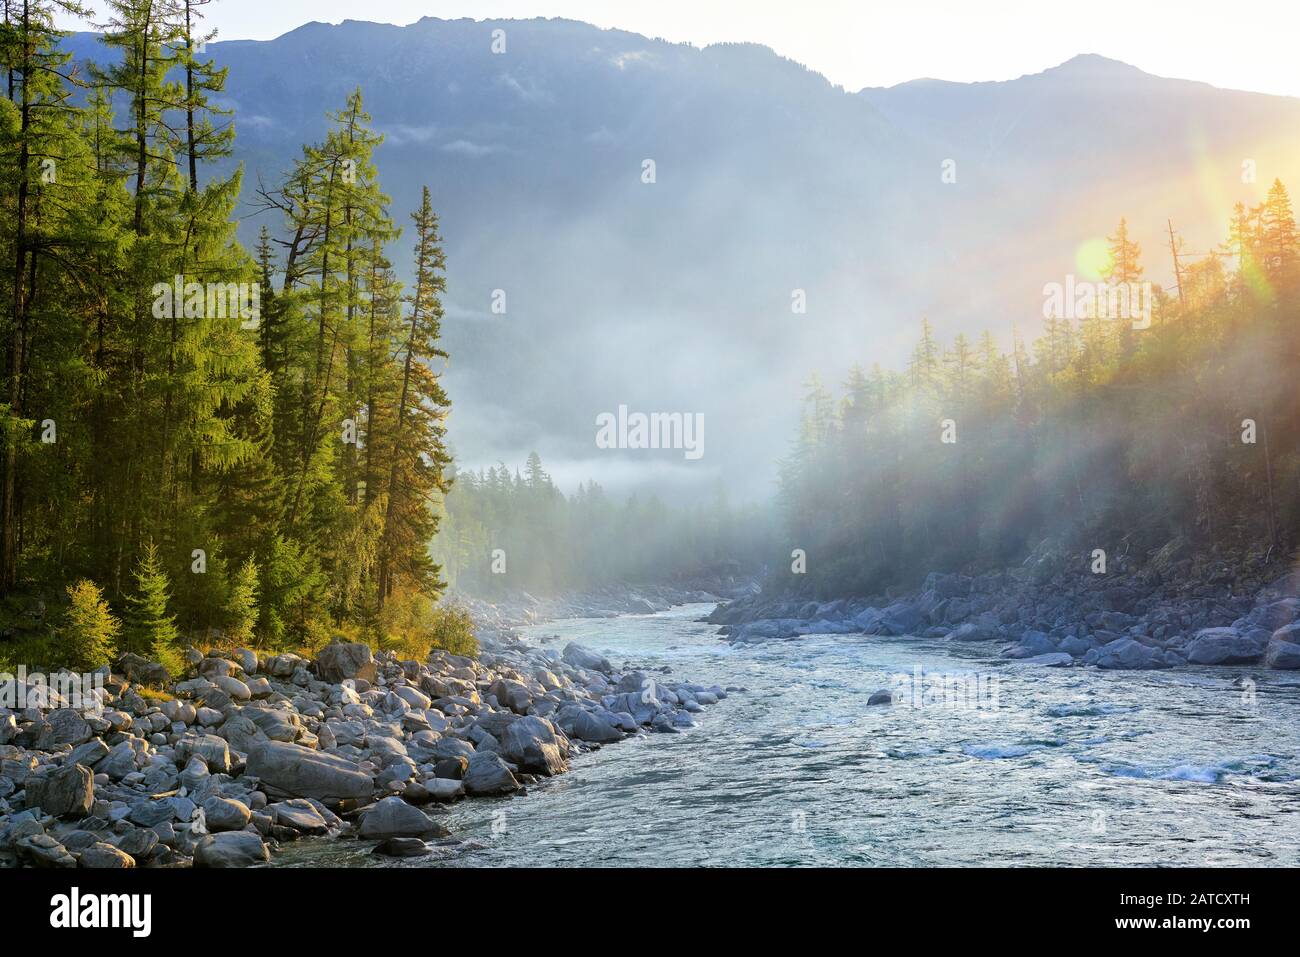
<point x="43" y="851"/>
<point x="580" y="657"/>
<point x="974" y="631"/>
<point x="1053" y="659"/>
<point x="1283" y="655"/>
<point x="1226" y="646"/>
<point x="102" y="856"/>
<point x="231" y="849"/>
<point x="142" y="671"/>
<point x="214" y="751"/>
<point x="65" y="792"/>
<point x="1033" y="643"/>
<point x="224" y="814"/>
<point x="488" y="775"/>
<point x="402" y="847"/>
<point x="300" y="815"/>
<point x="534" y="745"/>
<point x="290" y="770"/>
<point x="233" y="687"/>
<point x="393" y="817"/>
<point x="900" y="618"/>
<point x="69" y="727"/>
<point x="339" y="661"/>
<point x="1125" y="654"/>
<point x="512" y="695"/>
<point x="582" y="725"/>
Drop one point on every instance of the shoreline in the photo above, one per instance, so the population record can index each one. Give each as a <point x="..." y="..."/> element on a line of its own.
<point x="248" y="753"/>
<point x="1162" y="616"/>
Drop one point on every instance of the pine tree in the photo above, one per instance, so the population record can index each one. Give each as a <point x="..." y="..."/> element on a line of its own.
<point x="150" y="631"/>
<point x="1279" y="243"/>
<point x="37" y="85"/>
<point x="242" y="605"/>
<point x="419" y="454"/>
<point x="1125" y="257"/>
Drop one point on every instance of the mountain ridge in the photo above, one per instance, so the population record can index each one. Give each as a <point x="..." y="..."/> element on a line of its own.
<point x="770" y="179"/>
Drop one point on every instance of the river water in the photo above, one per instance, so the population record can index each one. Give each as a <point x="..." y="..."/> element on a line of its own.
<point x="981" y="763"/>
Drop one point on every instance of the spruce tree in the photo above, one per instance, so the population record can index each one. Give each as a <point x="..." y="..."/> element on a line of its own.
<point x="150" y="631"/>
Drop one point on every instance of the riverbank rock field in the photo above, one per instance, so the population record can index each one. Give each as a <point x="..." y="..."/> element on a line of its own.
<point x="244" y="753"/>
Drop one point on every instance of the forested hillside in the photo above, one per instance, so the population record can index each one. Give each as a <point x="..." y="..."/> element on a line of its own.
<point x="200" y="441"/>
<point x="1100" y="434"/>
<point x="503" y="531"/>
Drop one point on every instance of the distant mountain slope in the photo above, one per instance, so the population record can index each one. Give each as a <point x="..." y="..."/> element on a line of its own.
<point x="677" y="296"/>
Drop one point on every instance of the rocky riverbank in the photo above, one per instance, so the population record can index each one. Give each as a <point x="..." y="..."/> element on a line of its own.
<point x="249" y="752"/>
<point x="1173" y="611"/>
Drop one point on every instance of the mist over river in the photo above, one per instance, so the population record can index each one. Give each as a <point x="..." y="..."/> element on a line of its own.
<point x="1065" y="766"/>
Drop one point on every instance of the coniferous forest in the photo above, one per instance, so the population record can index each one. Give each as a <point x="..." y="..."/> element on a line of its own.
<point x="322" y="544"/>
<point x="201" y="439"/>
<point x="1098" y="434"/>
<point x="504" y="530"/>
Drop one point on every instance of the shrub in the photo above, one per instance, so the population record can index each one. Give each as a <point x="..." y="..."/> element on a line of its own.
<point x="452" y="629"/>
<point x="410" y="626"/>
<point x="90" y="631"/>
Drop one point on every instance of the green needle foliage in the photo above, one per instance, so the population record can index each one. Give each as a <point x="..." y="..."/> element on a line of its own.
<point x="231" y="448"/>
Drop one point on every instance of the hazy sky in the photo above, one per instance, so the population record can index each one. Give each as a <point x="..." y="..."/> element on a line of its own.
<point x="856" y="43"/>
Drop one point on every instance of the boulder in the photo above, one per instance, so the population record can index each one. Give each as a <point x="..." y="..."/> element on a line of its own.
<point x="512" y="695"/>
<point x="900" y="618"/>
<point x="290" y="770"/>
<point x="416" y="698"/>
<point x="233" y="687"/>
<point x="105" y="857"/>
<point x="488" y="775"/>
<point x="45" y="852"/>
<point x="1126" y="654"/>
<point x="534" y="745"/>
<point x="224" y="814"/>
<point x="974" y="631"/>
<point x="443" y="789"/>
<point x="65" y="792"/>
<point x="401" y="847"/>
<point x="151" y="813"/>
<point x="231" y="849"/>
<point x="300" y="815"/>
<point x="275" y="724"/>
<point x="1282" y="655"/>
<point x="581" y="657"/>
<point x="1033" y="643"/>
<point x="69" y="727"/>
<point x="215" y="667"/>
<point x="582" y="725"/>
<point x="339" y="661"/>
<point x="393" y="817"/>
<point x="142" y="671"/>
<point x="1226" y="646"/>
<point x="1053" y="659"/>
<point x="214" y="751"/>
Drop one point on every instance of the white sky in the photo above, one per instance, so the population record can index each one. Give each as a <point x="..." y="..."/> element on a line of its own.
<point x="857" y="43"/>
